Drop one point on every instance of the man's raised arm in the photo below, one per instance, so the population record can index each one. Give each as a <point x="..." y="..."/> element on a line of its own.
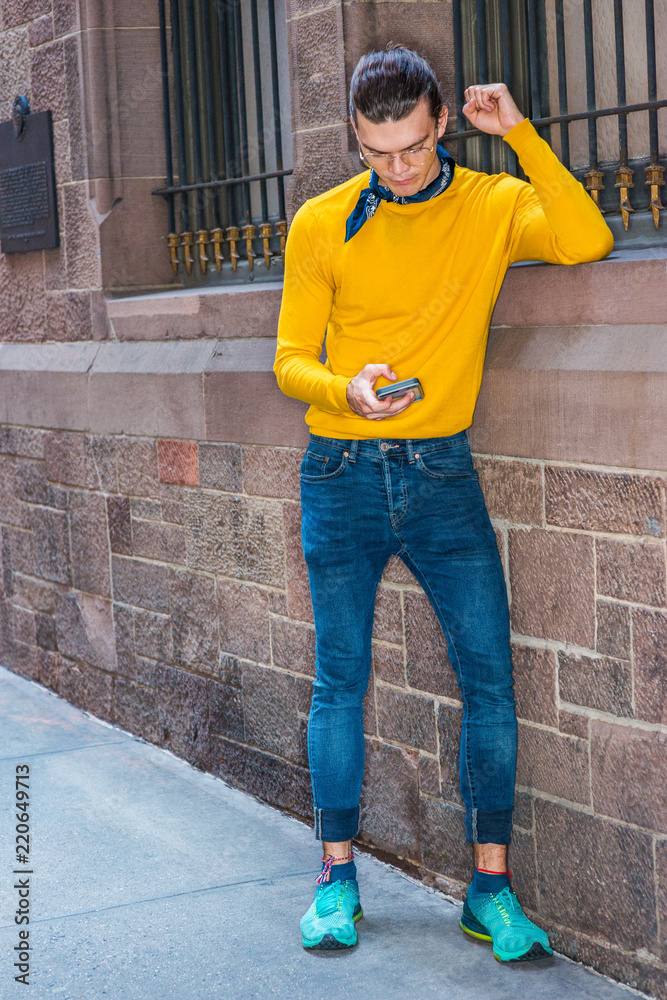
<point x="555" y="219"/>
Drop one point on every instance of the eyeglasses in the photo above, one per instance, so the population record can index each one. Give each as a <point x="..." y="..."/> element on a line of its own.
<point x="411" y="157"/>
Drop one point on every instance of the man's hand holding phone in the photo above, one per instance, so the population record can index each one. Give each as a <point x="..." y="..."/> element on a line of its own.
<point x="362" y="399"/>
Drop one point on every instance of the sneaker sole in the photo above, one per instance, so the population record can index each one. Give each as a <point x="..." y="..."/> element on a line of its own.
<point x="474" y="928"/>
<point x="328" y="942"/>
<point x="535" y="951"/>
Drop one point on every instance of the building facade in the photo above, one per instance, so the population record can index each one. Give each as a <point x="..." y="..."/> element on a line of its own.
<point x="149" y="466"/>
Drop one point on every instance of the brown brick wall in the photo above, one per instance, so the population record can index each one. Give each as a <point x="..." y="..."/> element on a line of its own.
<point x="96" y="66"/>
<point x="160" y="584"/>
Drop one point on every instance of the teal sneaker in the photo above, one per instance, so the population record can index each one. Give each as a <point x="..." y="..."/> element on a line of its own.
<point x="329" y="922"/>
<point x="498" y="917"/>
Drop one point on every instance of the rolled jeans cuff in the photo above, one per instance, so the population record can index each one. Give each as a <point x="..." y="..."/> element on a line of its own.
<point x="336" y="825"/>
<point x="483" y="827"/>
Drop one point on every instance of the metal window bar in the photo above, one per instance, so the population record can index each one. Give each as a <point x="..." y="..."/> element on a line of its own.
<point x="459" y="86"/>
<point x="483" y="74"/>
<point x="534" y="58"/>
<point x="562" y="83"/>
<point x="490" y="41"/>
<point x="527" y="44"/>
<point x="506" y="34"/>
<point x="224" y="91"/>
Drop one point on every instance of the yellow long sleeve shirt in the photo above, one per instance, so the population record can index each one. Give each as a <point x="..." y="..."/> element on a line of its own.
<point x="416" y="286"/>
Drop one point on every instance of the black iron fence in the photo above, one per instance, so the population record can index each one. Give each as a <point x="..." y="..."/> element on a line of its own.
<point x="226" y="111"/>
<point x="559" y="56"/>
<point x="587" y="82"/>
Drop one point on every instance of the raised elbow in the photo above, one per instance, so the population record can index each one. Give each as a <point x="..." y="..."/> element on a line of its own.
<point x="595" y="248"/>
<point x="604" y="245"/>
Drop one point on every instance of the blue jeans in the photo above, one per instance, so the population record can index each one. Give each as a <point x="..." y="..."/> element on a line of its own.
<point x="420" y="499"/>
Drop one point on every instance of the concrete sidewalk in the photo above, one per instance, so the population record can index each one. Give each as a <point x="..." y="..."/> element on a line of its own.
<point x="155" y="880"/>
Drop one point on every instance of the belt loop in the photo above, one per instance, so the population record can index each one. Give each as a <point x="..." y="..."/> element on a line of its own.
<point x="354" y="445"/>
<point x="411" y="450"/>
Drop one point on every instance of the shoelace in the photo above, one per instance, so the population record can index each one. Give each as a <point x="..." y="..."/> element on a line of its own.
<point x="330" y="897"/>
<point x="506" y="899"/>
<point x="325" y="874"/>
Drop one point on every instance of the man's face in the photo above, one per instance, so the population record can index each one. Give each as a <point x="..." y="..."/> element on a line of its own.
<point x="419" y="128"/>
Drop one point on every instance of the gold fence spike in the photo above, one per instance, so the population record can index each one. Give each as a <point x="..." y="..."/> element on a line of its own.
<point x="281" y="230"/>
<point x="187" y="242"/>
<point x="202" y="243"/>
<point x="266" y="232"/>
<point x="594" y="184"/>
<point x="249" y="232"/>
<point x="655" y="179"/>
<point x="217" y="239"/>
<point x="624" y="182"/>
<point x="174" y="243"/>
<point x="233" y="235"/>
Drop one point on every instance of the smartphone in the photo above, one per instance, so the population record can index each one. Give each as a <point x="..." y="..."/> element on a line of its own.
<point x="400" y="389"/>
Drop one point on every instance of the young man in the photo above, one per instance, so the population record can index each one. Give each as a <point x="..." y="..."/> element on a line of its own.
<point x="401" y="269"/>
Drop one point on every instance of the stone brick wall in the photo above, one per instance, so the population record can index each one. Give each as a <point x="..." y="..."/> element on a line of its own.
<point x="160" y="585"/>
<point x="96" y="66"/>
<point x="326" y="39"/>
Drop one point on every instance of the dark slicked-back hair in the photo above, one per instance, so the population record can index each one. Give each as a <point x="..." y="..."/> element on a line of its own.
<point x="388" y="84"/>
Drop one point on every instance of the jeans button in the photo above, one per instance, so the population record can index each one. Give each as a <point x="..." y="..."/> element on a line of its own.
<point x="384" y="446"/>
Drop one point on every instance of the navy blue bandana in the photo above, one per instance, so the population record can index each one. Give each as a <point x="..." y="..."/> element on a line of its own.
<point x="370" y="197"/>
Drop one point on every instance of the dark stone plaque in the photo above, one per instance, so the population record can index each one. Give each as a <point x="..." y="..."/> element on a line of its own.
<point x="28" y="206"/>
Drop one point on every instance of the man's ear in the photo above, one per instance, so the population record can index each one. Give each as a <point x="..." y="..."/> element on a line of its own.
<point x="354" y="126"/>
<point x="442" y="120"/>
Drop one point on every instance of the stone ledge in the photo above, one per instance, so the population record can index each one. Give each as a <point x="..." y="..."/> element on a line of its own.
<point x="207" y="390"/>
<point x="623" y="288"/>
<point x="595" y="394"/>
<point x="141" y="358"/>
<point x="187" y="314"/>
<point x="626" y="287"/>
<point x="600" y="418"/>
<point x="641" y="347"/>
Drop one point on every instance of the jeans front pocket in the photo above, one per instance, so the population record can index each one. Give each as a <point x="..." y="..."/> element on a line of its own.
<point x="447" y="462"/>
<point x="322" y="462"/>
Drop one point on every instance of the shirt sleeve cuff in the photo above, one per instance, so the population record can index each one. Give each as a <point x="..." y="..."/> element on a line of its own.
<point x="338" y="391"/>
<point x="521" y="135"/>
